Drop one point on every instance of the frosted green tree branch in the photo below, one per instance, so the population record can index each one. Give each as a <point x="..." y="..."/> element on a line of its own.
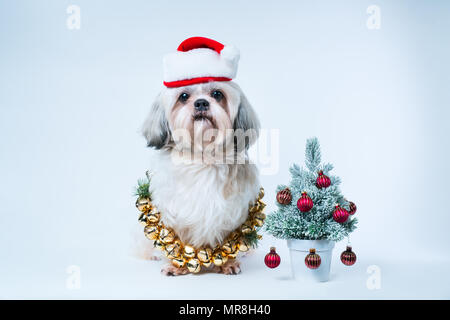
<point x="317" y="224"/>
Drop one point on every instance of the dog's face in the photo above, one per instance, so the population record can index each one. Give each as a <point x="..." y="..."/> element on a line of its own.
<point x="207" y="112"/>
<point x="202" y="109"/>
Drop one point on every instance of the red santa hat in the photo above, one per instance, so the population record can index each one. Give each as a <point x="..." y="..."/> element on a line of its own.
<point x="199" y="60"/>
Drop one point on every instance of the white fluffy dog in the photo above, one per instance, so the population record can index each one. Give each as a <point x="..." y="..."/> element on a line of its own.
<point x="201" y="196"/>
<point x="202" y="181"/>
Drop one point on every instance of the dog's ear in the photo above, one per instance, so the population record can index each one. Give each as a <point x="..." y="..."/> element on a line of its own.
<point x="156" y="127"/>
<point x="247" y="121"/>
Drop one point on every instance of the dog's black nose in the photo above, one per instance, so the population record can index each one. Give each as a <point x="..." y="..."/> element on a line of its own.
<point x="201" y="105"/>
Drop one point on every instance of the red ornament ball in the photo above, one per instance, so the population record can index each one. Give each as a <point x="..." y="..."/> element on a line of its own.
<point x="284" y="196"/>
<point x="348" y="257"/>
<point x="352" y="206"/>
<point x="340" y="215"/>
<point x="322" y="181"/>
<point x="312" y="260"/>
<point x="272" y="259"/>
<point x="305" y="203"/>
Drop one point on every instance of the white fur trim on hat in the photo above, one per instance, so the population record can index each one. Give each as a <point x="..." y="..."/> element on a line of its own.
<point x="201" y="62"/>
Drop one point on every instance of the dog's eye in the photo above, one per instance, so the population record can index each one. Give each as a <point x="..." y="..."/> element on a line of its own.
<point x="183" y="97"/>
<point x="216" y="94"/>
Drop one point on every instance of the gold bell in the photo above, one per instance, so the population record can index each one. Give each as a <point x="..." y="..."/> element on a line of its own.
<point x="246" y="228"/>
<point x="166" y="236"/>
<point x="173" y="250"/>
<point x="178" y="262"/>
<point x="259" y="219"/>
<point x="143" y="204"/>
<point x="143" y="219"/>
<point x="193" y="265"/>
<point x="189" y="252"/>
<point x="254" y="208"/>
<point x="206" y="264"/>
<point x="261" y="205"/>
<point x="204" y="255"/>
<point x="151" y="232"/>
<point x="153" y="217"/>
<point x="243" y="245"/>
<point x="229" y="247"/>
<point x="158" y="244"/>
<point x="234" y="236"/>
<point x="261" y="193"/>
<point x="233" y="254"/>
<point x="219" y="259"/>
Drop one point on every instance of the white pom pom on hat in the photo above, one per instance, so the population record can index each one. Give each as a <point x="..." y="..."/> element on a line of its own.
<point x="199" y="60"/>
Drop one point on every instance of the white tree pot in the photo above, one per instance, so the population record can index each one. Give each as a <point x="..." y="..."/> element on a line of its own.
<point x="299" y="249"/>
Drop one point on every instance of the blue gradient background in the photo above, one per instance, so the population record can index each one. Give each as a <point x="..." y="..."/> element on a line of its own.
<point x="72" y="101"/>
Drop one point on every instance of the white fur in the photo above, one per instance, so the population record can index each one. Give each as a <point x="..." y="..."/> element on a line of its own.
<point x="192" y="201"/>
<point x="201" y="62"/>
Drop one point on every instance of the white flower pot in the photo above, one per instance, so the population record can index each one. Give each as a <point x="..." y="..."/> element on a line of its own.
<point x="299" y="249"/>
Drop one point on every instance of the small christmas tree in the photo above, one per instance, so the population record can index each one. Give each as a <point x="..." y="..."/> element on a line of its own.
<point x="325" y="220"/>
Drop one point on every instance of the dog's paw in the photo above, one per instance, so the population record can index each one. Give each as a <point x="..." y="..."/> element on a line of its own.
<point x="171" y="270"/>
<point x="231" y="267"/>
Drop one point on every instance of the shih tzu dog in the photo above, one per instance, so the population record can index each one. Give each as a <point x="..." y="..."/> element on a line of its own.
<point x="200" y="126"/>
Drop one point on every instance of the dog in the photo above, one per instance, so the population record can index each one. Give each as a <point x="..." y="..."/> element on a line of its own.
<point x="203" y="181"/>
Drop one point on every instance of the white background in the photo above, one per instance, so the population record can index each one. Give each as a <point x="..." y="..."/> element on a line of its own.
<point x="72" y="101"/>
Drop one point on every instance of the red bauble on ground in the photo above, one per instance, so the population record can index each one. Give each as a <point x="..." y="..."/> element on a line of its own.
<point x="348" y="257"/>
<point x="352" y="206"/>
<point x="305" y="203"/>
<point x="312" y="260"/>
<point x="322" y="181"/>
<point x="340" y="215"/>
<point x="284" y="196"/>
<point x="272" y="259"/>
